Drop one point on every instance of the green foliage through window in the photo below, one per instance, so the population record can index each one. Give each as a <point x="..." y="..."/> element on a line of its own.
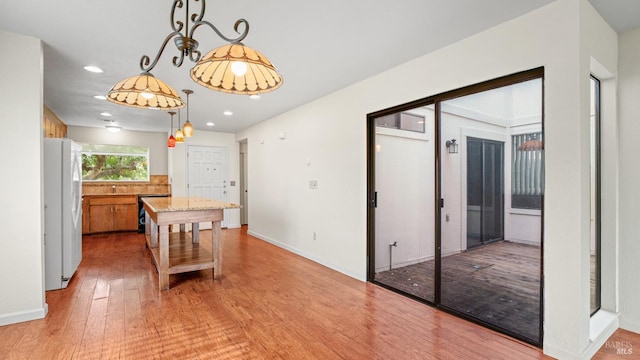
<point x="115" y="163"/>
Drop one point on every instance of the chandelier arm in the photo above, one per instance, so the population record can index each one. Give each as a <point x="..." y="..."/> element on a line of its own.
<point x="214" y="28"/>
<point x="195" y="55"/>
<point x="144" y="61"/>
<point x="195" y="17"/>
<point x="174" y="22"/>
<point x="178" y="60"/>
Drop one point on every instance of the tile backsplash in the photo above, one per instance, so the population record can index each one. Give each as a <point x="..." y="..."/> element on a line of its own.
<point x="157" y="184"/>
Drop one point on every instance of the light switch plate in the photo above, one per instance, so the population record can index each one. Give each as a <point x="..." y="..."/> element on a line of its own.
<point x="313" y="184"/>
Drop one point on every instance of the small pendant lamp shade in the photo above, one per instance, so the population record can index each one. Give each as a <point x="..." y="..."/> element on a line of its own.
<point x="179" y="134"/>
<point x="171" y="141"/>
<point x="145" y="91"/>
<point x="236" y="69"/>
<point x="187" y="129"/>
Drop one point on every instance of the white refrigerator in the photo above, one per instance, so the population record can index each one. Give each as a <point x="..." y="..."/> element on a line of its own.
<point x="62" y="211"/>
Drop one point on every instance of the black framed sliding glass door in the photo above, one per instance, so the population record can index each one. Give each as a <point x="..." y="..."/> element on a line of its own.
<point x="455" y="195"/>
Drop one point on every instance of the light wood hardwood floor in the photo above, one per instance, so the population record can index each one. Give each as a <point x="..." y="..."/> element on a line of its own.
<point x="270" y="304"/>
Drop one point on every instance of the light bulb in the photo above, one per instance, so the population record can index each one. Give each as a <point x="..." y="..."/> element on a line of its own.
<point x="147" y="94"/>
<point x="239" y="68"/>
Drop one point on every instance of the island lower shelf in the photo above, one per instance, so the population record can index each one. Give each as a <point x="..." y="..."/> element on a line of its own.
<point x="184" y="255"/>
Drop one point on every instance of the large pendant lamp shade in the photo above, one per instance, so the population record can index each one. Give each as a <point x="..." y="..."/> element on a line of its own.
<point x="237" y="69"/>
<point x="145" y="91"/>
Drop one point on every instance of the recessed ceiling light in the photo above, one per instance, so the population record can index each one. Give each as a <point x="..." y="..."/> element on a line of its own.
<point x="93" y="69"/>
<point x="254" y="97"/>
<point x="210" y="124"/>
<point x="113" y="128"/>
<point x="105" y="114"/>
<point x="228" y="113"/>
<point x="100" y="97"/>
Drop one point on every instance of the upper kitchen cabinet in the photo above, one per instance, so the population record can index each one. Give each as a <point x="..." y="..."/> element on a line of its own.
<point x="52" y="126"/>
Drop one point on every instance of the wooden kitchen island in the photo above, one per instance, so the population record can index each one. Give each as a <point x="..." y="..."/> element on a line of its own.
<point x="179" y="252"/>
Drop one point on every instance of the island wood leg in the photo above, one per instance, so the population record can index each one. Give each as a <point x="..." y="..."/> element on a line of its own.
<point x="182" y="228"/>
<point x="195" y="233"/>
<point x="147" y="224"/>
<point x="153" y="239"/>
<point x="163" y="271"/>
<point x="216" y="235"/>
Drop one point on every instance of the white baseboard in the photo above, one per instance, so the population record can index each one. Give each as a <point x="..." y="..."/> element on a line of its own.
<point x="305" y="255"/>
<point x="629" y="325"/>
<point x="602" y="325"/>
<point x="22" y="316"/>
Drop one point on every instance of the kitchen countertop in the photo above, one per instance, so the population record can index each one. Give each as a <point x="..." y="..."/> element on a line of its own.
<point x="126" y="194"/>
<point x="166" y="204"/>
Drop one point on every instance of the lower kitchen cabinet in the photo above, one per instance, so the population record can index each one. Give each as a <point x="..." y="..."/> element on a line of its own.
<point x="111" y="213"/>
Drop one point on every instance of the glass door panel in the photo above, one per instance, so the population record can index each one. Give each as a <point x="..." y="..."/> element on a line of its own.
<point x="404" y="197"/>
<point x="491" y="247"/>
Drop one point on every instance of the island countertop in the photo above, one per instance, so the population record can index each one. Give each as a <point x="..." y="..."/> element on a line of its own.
<point x="175" y="203"/>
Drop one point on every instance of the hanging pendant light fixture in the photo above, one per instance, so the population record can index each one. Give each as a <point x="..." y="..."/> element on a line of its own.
<point x="179" y="134"/>
<point x="146" y="92"/>
<point x="233" y="68"/>
<point x="187" y="129"/>
<point x="171" y="142"/>
<point x="251" y="72"/>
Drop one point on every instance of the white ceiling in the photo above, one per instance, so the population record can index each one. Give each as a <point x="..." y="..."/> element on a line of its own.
<point x="318" y="47"/>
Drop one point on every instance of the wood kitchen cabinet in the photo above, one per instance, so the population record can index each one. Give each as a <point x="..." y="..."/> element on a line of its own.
<point x="85" y="216"/>
<point x="112" y="213"/>
<point x="52" y="126"/>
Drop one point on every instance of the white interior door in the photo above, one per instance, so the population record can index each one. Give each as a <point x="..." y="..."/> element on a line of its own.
<point x="207" y="173"/>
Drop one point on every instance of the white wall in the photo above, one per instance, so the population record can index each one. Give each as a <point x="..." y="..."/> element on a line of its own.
<point x="21" y="214"/>
<point x="405" y="185"/>
<point x="178" y="168"/>
<point x="599" y="56"/>
<point x="326" y="141"/>
<point x="629" y="110"/>
<point x="156" y="141"/>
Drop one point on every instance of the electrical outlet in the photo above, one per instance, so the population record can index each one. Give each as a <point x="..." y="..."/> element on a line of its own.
<point x="313" y="184"/>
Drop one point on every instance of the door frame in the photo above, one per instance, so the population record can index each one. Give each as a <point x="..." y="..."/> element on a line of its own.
<point x="536" y="73"/>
